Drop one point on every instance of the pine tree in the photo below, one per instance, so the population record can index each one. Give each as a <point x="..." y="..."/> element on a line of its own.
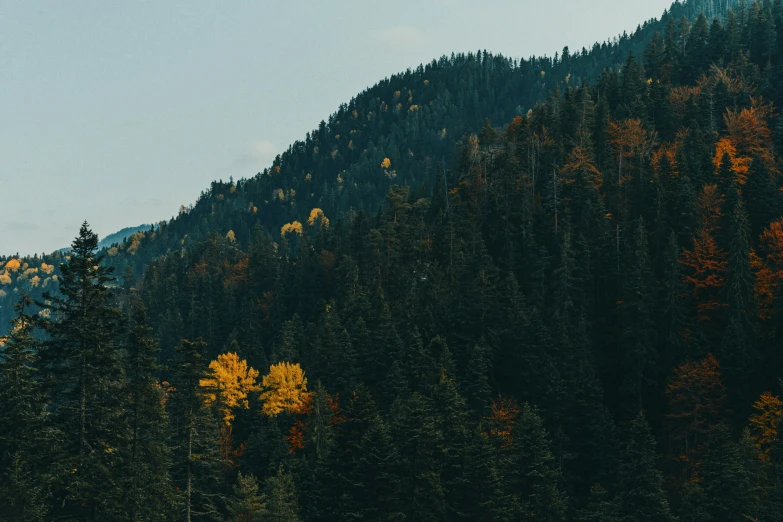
<point x="23" y="477"/>
<point x="195" y="437"/>
<point x="536" y="477"/>
<point x="738" y="350"/>
<point x="640" y="482"/>
<point x="639" y="333"/>
<point x="82" y="364"/>
<point x="148" y="488"/>
<point x="282" y="503"/>
<point x="725" y="481"/>
<point x="601" y="507"/>
<point x="246" y="504"/>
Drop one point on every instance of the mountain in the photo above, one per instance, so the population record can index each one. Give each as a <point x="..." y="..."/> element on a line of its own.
<point x="414" y="119"/>
<point x="121" y="235"/>
<point x="478" y="292"/>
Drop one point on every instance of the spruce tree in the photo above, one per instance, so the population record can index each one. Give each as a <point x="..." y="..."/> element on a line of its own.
<point x="195" y="438"/>
<point x="640" y="482"/>
<point x="24" y="446"/>
<point x="82" y="365"/>
<point x="148" y="488"/>
<point x="638" y="336"/>
<point x="246" y="504"/>
<point x="738" y="349"/>
<point x="282" y="503"/>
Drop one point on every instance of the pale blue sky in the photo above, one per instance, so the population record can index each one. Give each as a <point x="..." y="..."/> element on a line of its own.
<point x="119" y="112"/>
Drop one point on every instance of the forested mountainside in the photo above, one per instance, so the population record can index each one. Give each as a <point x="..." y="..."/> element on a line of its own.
<point x="573" y="315"/>
<point x="413" y="119"/>
<point x="121" y="235"/>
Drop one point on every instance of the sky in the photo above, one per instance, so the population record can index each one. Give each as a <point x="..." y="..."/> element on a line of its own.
<point x="119" y="112"/>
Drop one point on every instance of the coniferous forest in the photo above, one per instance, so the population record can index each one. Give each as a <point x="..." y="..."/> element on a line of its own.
<point x="485" y="289"/>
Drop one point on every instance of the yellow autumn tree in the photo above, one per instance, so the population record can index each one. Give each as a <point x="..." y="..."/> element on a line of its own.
<point x="386" y="163"/>
<point x="768" y="413"/>
<point x="285" y="389"/>
<point x="13" y="265"/>
<point x="231" y="236"/>
<point x="295" y="227"/>
<point x="229" y="384"/>
<point x="318" y="214"/>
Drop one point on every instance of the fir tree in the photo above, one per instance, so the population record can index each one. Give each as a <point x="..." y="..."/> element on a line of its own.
<point x="23" y="477"/>
<point x="640" y="482"/>
<point x="148" y="488"/>
<point x="82" y="366"/>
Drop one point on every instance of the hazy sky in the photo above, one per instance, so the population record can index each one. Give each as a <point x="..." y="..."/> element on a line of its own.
<point x="119" y="112"/>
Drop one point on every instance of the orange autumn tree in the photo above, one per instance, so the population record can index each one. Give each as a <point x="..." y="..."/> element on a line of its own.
<point x="765" y="423"/>
<point x="706" y="262"/>
<point x="631" y="143"/>
<point x="740" y="165"/>
<point x="768" y="267"/>
<point x="285" y="389"/>
<point x="696" y="394"/>
<point x="580" y="169"/>
<point x="314" y="421"/>
<point x="749" y="133"/>
<point x="502" y="419"/>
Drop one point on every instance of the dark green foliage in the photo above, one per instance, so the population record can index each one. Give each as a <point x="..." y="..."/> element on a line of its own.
<point x="529" y="241"/>
<point x="195" y="438"/>
<point x="639" y="481"/>
<point x="84" y="376"/>
<point x="246" y="504"/>
<point x="25" y="446"/>
<point x="147" y="490"/>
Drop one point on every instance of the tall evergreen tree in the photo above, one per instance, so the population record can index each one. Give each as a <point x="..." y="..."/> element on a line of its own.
<point x="82" y="365"/>
<point x="195" y="438"/>
<point x="148" y="488"/>
<point x="640" y="482"/>
<point x="23" y="466"/>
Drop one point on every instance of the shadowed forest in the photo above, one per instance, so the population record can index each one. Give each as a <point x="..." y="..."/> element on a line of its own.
<point x="485" y="289"/>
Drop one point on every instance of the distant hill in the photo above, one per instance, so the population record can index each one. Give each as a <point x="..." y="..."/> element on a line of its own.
<point x="121" y="235"/>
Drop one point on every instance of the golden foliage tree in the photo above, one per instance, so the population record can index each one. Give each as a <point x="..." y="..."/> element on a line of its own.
<point x="13" y="265"/>
<point x="630" y="142"/>
<point x="230" y="383"/>
<point x="285" y="389"/>
<point x="386" y="163"/>
<point x="295" y="227"/>
<point x="318" y="214"/>
<point x="765" y="422"/>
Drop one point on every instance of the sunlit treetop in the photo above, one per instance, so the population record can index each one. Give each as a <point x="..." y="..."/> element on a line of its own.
<point x="13" y="265"/>
<point x="295" y="227"/>
<point x="318" y="214"/>
<point x="285" y="389"/>
<point x="230" y="383"/>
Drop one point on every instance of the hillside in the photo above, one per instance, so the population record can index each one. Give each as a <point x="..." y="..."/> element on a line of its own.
<point x="121" y="235"/>
<point x="478" y="292"/>
<point x="414" y="119"/>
